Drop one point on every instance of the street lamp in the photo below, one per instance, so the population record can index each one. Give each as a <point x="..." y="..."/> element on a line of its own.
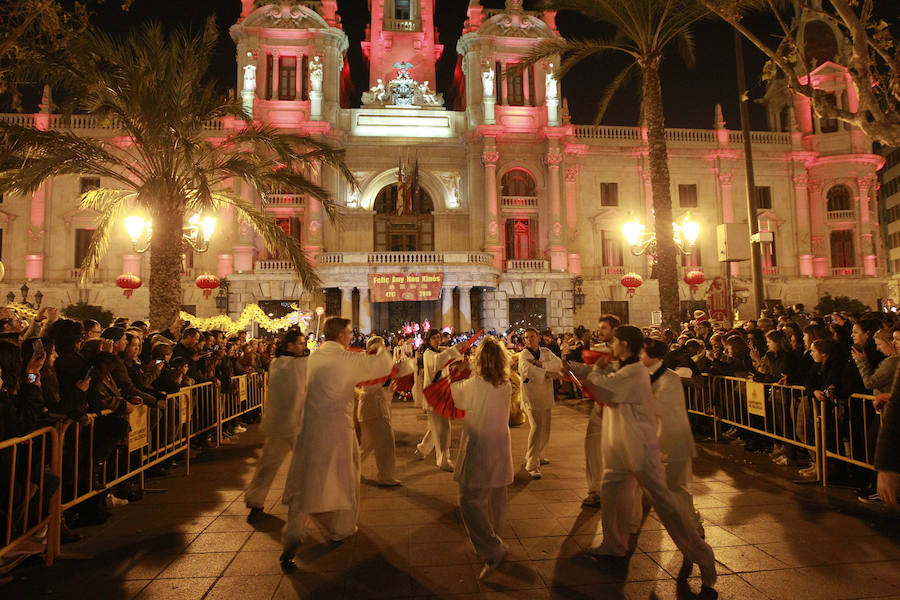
<point x="320" y="310"/>
<point x="196" y="233"/>
<point x="641" y="241"/>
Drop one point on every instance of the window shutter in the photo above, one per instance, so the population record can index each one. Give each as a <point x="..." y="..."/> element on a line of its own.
<point x="510" y="242"/>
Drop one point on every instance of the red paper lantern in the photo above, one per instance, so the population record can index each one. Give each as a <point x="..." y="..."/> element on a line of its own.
<point x="694" y="278"/>
<point x="632" y="281"/>
<point x="128" y="282"/>
<point x="207" y="283"/>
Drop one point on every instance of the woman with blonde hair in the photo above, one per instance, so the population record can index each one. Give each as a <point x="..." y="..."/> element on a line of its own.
<point x="484" y="467"/>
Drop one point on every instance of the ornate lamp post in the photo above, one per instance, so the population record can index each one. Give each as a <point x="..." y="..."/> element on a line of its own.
<point x="197" y="232"/>
<point x="641" y="241"/>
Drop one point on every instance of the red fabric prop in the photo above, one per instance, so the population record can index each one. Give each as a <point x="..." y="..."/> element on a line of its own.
<point x="591" y="356"/>
<point x="440" y="399"/>
<point x="588" y="391"/>
<point x="460" y="370"/>
<point x="472" y="341"/>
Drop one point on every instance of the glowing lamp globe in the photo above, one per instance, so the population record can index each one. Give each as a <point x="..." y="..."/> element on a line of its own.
<point x="128" y="282"/>
<point x="694" y="278"/>
<point x="632" y="281"/>
<point x="207" y="283"/>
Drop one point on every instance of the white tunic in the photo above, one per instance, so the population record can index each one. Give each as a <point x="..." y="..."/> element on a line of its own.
<point x="283" y="416"/>
<point x="374" y="403"/>
<point x="485" y="452"/>
<point x="537" y="388"/>
<point x="676" y="442"/>
<point x="324" y="473"/>
<point x="629" y="417"/>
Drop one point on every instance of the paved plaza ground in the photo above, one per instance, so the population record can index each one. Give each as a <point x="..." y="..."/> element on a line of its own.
<point x="772" y="538"/>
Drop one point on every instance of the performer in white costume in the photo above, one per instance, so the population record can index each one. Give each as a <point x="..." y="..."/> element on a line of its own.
<point x="593" y="436"/>
<point x="437" y="436"/>
<point x="283" y="416"/>
<point x="484" y="466"/>
<point x="324" y="476"/>
<point x="676" y="441"/>
<point x="538" y="367"/>
<point x="374" y="416"/>
<point x="631" y="457"/>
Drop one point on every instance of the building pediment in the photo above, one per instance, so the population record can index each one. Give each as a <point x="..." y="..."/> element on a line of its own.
<point x="82" y="218"/>
<point x="285" y="16"/>
<point x="515" y="22"/>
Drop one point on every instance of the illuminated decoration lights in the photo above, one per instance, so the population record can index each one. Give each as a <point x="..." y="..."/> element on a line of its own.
<point x="632" y="281"/>
<point x="128" y="282"/>
<point x="641" y="241"/>
<point x="207" y="283"/>
<point x="196" y="233"/>
<point x="23" y="310"/>
<point x="252" y="313"/>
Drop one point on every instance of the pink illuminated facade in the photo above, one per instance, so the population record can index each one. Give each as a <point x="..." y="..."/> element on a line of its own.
<point x="515" y="202"/>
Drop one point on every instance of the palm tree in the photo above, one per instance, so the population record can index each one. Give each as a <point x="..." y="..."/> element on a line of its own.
<point x="644" y="31"/>
<point x="153" y="87"/>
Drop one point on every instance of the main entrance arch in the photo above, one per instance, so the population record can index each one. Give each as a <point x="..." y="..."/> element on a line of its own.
<point x="403" y="224"/>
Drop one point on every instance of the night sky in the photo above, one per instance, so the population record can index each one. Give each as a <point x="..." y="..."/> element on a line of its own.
<point x="690" y="95"/>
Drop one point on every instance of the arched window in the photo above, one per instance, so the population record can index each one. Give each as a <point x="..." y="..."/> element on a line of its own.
<point x="784" y="119"/>
<point x="517" y="182"/>
<point x="403" y="221"/>
<point x="839" y="198"/>
<point x="418" y="202"/>
<point x="820" y="45"/>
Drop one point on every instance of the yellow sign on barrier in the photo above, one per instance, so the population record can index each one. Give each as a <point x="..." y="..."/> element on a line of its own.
<point x="184" y="405"/>
<point x="138" y="437"/>
<point x="242" y="387"/>
<point x="756" y="398"/>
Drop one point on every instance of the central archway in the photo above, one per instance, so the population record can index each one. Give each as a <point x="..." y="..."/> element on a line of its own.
<point x="403" y="224"/>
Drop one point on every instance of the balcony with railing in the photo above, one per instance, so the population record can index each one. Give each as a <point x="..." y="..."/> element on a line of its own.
<point x="519" y="201"/>
<point x="527" y="264"/>
<point x="404" y="258"/>
<point x="402" y="25"/>
<point x="273" y="266"/>
<point x="77" y="122"/>
<point x="679" y="135"/>
<point x="840" y="215"/>
<point x="293" y="200"/>
<point x="846" y="271"/>
<point x="612" y="270"/>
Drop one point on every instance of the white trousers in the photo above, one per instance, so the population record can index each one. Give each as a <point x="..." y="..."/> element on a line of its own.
<point x="484" y="514"/>
<point x="437" y="438"/>
<point x="593" y="453"/>
<point x="275" y="450"/>
<point x="378" y="436"/>
<point x="617" y="496"/>
<point x="678" y="475"/>
<point x="338" y="524"/>
<point x="538" y="436"/>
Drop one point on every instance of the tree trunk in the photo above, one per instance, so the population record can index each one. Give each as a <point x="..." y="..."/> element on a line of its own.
<point x="666" y="253"/>
<point x="166" y="266"/>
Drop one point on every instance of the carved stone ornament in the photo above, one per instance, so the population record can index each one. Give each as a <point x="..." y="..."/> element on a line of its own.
<point x="514" y="22"/>
<point x="403" y="91"/>
<point x="490" y="158"/>
<point x="800" y="180"/>
<point x="315" y="74"/>
<point x="285" y="16"/>
<point x="451" y="182"/>
<point x="571" y="175"/>
<point x="726" y="178"/>
<point x="553" y="159"/>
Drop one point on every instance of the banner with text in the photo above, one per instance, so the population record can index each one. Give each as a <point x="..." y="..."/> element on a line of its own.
<point x="404" y="287"/>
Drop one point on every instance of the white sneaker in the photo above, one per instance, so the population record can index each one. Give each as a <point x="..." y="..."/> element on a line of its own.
<point x="809" y="472"/>
<point x="535" y="473"/>
<point x="447" y="466"/>
<point x="113" y="502"/>
<point x="239" y="428"/>
<point x="592" y="499"/>
<point x="418" y="455"/>
<point x="544" y="461"/>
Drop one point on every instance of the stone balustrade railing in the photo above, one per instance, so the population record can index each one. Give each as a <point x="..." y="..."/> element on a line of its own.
<point x="840" y="215"/>
<point x="285" y="200"/>
<point x="404" y="258"/>
<point x="73" y="122"/>
<point x="703" y="136"/>
<point x="528" y="264"/>
<point x="519" y="201"/>
<point x="403" y="25"/>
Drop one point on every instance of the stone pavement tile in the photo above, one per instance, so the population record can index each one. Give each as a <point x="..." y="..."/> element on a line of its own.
<point x="708" y="501"/>
<point x="176" y="508"/>
<point x="146" y="566"/>
<point x="533" y="594"/>
<point x="449" y="579"/>
<point x="325" y="556"/>
<point x="571" y="572"/>
<point x="546" y="548"/>
<point x="441" y="553"/>
<point x="261" y="540"/>
<point x="753" y="498"/>
<point x="584" y="524"/>
<point x="219" y="542"/>
<point x="656" y="540"/>
<point x="728" y="587"/>
<point x="671" y="560"/>
<point x="228" y="523"/>
<point x="861" y="549"/>
<point x="176" y="589"/>
<point x="522" y="496"/>
<point x="830" y="582"/>
<point x="744" y="515"/>
<point x="512" y="575"/>
<point x="377" y="581"/>
<point x="246" y="587"/>
<point x="254" y="563"/>
<point x="201" y="564"/>
<point x="388" y="503"/>
<point x="525" y="528"/>
<point x="530" y="511"/>
<point x="310" y="586"/>
<point x="565" y="509"/>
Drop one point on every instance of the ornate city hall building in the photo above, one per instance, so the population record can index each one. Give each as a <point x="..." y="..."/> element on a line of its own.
<point x="497" y="212"/>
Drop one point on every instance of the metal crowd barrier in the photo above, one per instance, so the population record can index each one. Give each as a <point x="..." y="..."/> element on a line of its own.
<point x="152" y="435"/>
<point x="848" y="431"/>
<point x="30" y="500"/>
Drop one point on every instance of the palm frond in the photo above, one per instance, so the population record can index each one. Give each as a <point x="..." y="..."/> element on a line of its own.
<point x="624" y="76"/>
<point x="274" y="237"/>
<point x="109" y="204"/>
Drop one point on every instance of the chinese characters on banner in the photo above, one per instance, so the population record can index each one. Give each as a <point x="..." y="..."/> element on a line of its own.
<point x="400" y="287"/>
<point x="717" y="297"/>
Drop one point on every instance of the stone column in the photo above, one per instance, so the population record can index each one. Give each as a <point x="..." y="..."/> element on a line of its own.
<point x="866" y="249"/>
<point x="245" y="249"/>
<point x="804" y="243"/>
<point x="726" y="189"/>
<point x="347" y="302"/>
<point x="365" y="314"/>
<point x="313" y="245"/>
<point x="275" y="75"/>
<point x="131" y="263"/>
<point x="572" y="220"/>
<point x="447" y="307"/>
<point x="492" y="243"/>
<point x="225" y="265"/>
<point x="553" y="158"/>
<point x="465" y="308"/>
<point x="818" y="232"/>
